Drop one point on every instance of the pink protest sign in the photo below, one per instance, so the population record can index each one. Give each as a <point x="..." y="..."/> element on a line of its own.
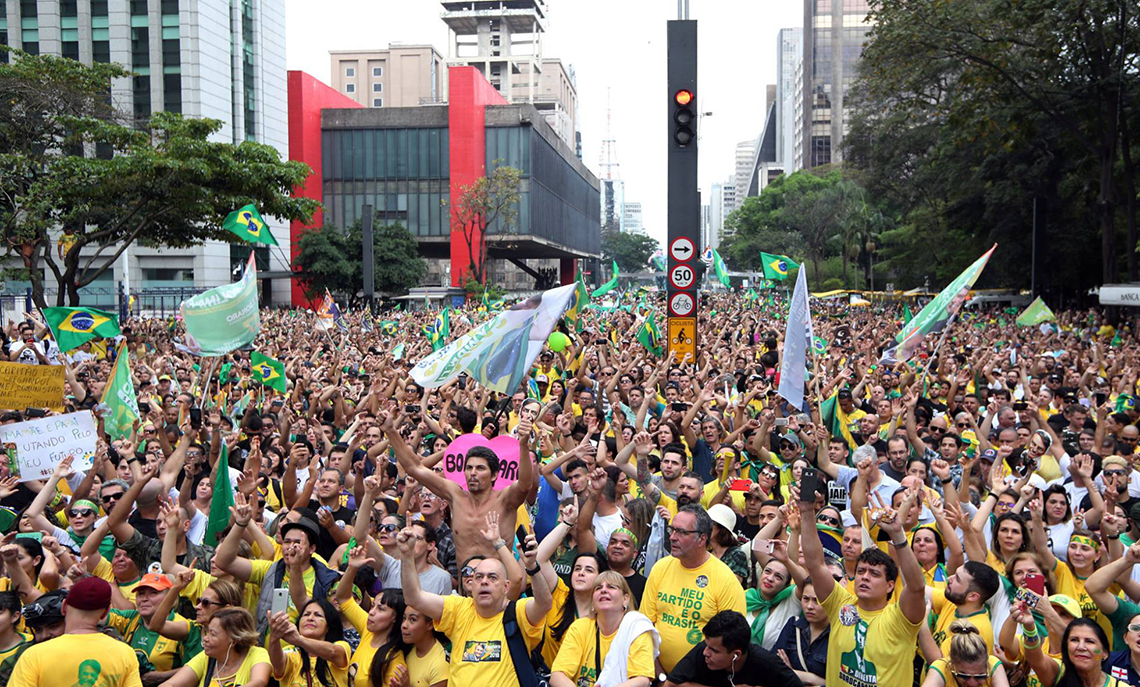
<point x="506" y="448"/>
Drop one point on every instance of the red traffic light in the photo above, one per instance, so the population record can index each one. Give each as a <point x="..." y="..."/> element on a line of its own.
<point x="683" y="97"/>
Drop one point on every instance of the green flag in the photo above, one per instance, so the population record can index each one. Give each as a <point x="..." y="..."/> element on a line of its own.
<point x="398" y="352"/>
<point x="73" y="327"/>
<point x="777" y="266"/>
<point x="224" y="318"/>
<point x="907" y="317"/>
<point x="650" y="336"/>
<point x="246" y="224"/>
<point x="608" y="286"/>
<point x="1036" y="313"/>
<point x="268" y="371"/>
<point x="221" y="501"/>
<point x="119" y="397"/>
<point x="721" y="270"/>
<point x="829" y="416"/>
<point x="578" y="303"/>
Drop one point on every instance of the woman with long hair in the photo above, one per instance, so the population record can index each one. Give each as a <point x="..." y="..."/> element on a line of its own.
<point x="217" y="594"/>
<point x="970" y="663"/>
<point x="426" y="657"/>
<point x="382" y="649"/>
<point x="1020" y="567"/>
<point x="571" y="601"/>
<point x="230" y="655"/>
<point x="1011" y="537"/>
<point x="1084" y="647"/>
<point x="723" y="543"/>
<point x="615" y="645"/>
<point x="320" y="654"/>
<point x="1058" y="515"/>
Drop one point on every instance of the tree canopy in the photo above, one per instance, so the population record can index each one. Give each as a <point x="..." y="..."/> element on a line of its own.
<point x="333" y="258"/>
<point x="631" y="251"/>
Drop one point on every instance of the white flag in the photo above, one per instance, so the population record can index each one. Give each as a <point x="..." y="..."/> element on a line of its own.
<point x="797" y="340"/>
<point x="498" y="353"/>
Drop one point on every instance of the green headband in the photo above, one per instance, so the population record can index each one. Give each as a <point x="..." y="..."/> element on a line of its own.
<point x="629" y="534"/>
<point x="85" y="502"/>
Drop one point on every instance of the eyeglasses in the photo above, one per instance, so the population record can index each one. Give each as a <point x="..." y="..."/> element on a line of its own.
<point x="206" y="603"/>
<point x="827" y="519"/>
<point x="1134" y="627"/>
<point x="80" y="513"/>
<point x="962" y="425"/>
<point x="670" y="530"/>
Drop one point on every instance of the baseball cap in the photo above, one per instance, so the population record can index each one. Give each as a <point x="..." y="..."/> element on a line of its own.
<point x="90" y="594"/>
<point x="723" y="516"/>
<point x="989" y="454"/>
<point x="155" y="581"/>
<point x="539" y="379"/>
<point x="793" y="439"/>
<point x="1067" y="604"/>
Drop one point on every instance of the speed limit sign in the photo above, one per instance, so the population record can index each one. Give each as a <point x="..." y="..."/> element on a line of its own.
<point x="682" y="276"/>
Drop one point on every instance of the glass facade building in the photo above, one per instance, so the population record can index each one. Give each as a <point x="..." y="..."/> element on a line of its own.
<point x="835" y="31"/>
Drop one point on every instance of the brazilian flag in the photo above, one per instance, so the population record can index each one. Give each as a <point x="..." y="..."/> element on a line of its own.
<point x="776" y="266"/>
<point x="389" y="327"/>
<point x="72" y="327"/>
<point x="268" y="371"/>
<point x="246" y="224"/>
<point x="650" y="337"/>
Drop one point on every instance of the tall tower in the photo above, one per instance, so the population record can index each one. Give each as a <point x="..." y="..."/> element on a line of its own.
<point x="608" y="164"/>
<point x="832" y="46"/>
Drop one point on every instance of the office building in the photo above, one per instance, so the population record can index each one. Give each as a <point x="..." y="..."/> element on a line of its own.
<point x="720" y="199"/>
<point x="789" y="55"/>
<point x="503" y="41"/>
<point x="401" y="76"/>
<point x="834" y="33"/>
<point x="221" y="59"/>
<point x="631" y="218"/>
<point x="745" y="155"/>
<point x="612" y="201"/>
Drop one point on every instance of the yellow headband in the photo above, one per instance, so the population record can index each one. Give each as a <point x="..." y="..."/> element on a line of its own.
<point x="1088" y="541"/>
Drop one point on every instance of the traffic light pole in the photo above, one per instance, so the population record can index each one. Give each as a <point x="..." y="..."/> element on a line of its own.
<point x="684" y="199"/>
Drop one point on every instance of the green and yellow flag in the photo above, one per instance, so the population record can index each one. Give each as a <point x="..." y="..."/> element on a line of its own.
<point x="221" y="501"/>
<point x="721" y="270"/>
<point x="608" y="286"/>
<point x="650" y="337"/>
<point x="119" y="397"/>
<point x="578" y="303"/>
<point x="268" y="371"/>
<point x="777" y="266"/>
<point x="246" y="224"/>
<point x="72" y="327"/>
<point x="1036" y="313"/>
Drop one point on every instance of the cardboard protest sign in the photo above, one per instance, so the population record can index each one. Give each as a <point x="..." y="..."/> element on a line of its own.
<point x="506" y="448"/>
<point x="31" y="386"/>
<point x="40" y="444"/>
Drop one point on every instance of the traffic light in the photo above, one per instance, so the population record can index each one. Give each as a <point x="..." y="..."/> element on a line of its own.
<point x="683" y="118"/>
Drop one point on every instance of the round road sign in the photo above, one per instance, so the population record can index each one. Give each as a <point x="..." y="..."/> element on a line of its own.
<point x="682" y="249"/>
<point x="681" y="305"/>
<point x="682" y="276"/>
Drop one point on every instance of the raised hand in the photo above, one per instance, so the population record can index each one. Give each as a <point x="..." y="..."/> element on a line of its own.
<point x="529" y="552"/>
<point x="242" y="510"/>
<point x="569" y="514"/>
<point x="491" y="533"/>
<point x="358" y="557"/>
<point x="940" y="468"/>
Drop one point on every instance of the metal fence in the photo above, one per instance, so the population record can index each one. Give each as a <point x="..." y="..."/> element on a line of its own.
<point x="144" y="302"/>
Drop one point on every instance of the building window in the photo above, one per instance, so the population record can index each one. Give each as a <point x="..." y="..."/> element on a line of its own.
<point x="377" y="102"/>
<point x="350" y="72"/>
<point x="350" y="88"/>
<point x="377" y="71"/>
<point x="377" y="88"/>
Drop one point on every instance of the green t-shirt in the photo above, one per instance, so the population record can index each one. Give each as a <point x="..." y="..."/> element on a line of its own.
<point x="1125" y="611"/>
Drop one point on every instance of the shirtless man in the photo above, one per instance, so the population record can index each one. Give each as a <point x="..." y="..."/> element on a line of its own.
<point x="469" y="507"/>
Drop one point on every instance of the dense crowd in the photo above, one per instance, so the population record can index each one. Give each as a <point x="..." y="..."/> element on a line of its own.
<point x="969" y="517"/>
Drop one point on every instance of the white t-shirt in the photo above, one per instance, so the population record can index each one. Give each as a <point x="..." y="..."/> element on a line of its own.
<point x="604" y="526"/>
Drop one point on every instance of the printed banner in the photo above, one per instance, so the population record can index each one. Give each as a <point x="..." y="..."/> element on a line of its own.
<point x="31" y="386"/>
<point x="224" y="318"/>
<point x="505" y="447"/>
<point x="41" y="443"/>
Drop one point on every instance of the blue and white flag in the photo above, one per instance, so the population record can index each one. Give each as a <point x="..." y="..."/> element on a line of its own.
<point x="797" y="340"/>
<point x="500" y="352"/>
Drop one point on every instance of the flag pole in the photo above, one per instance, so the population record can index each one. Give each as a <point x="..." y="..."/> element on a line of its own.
<point x="934" y="353"/>
<point x="206" y="389"/>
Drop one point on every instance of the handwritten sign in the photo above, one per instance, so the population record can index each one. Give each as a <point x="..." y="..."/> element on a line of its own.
<point x="40" y="444"/>
<point x="506" y="448"/>
<point x="31" y="386"/>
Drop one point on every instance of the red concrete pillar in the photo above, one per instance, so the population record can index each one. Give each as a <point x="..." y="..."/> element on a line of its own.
<point x="567" y="270"/>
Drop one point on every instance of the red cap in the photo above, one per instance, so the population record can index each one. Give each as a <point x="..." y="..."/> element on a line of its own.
<point x="89" y="594"/>
<point x="155" y="581"/>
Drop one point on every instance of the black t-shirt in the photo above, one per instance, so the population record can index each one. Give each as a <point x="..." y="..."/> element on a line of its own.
<point x="762" y="669"/>
<point x="636" y="583"/>
<point x="144" y="525"/>
<point x="747" y="529"/>
<point x="342" y="516"/>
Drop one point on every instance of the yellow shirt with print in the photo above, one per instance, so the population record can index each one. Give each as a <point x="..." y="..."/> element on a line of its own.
<point x="256" y="656"/>
<point x="429" y="669"/>
<point x="103" y="571"/>
<point x="293" y="676"/>
<point x="577" y="661"/>
<point x="887" y="655"/>
<point x="78" y="659"/>
<point x="1074" y="587"/>
<point x="163" y="652"/>
<point x="713" y="488"/>
<point x="946" y="613"/>
<point x="942" y="667"/>
<point x="365" y="651"/>
<point x="680" y="601"/>
<point x="479" y="653"/>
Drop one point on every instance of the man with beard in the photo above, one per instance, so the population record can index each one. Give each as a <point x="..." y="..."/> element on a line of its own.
<point x="964" y="598"/>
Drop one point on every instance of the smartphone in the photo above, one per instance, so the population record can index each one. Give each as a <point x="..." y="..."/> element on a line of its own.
<point x="280" y="602"/>
<point x="740" y="485"/>
<point x="1100" y="397"/>
<point x="38" y="536"/>
<point x="1029" y="598"/>
<point x="144" y="407"/>
<point x="766" y="546"/>
<point x="781" y="422"/>
<point x="35" y="412"/>
<point x="1020" y="405"/>
<point x="811" y="484"/>
<point x="679" y="407"/>
<point x="1035" y="583"/>
<point x="411" y="409"/>
<point x="521" y="535"/>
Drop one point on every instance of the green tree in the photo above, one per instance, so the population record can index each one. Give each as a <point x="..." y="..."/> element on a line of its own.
<point x="631" y="251"/>
<point x="166" y="184"/>
<point x="488" y="203"/>
<point x="333" y="258"/>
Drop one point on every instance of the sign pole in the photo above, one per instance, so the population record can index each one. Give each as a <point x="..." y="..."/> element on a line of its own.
<point x="683" y="217"/>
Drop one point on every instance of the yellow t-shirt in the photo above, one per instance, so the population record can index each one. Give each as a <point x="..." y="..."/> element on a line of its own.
<point x="365" y="651"/>
<point x="995" y="563"/>
<point x="946" y="613"/>
<point x="942" y="667"/>
<point x="1074" y="587"/>
<point x="256" y="656"/>
<point x="713" y="488"/>
<point x="103" y="571"/>
<point x="887" y="654"/>
<point x="294" y="677"/>
<point x="202" y="579"/>
<point x="162" y="651"/>
<point x="430" y="669"/>
<point x="258" y="571"/>
<point x="576" y="657"/>
<point x="550" y="645"/>
<point x="479" y="653"/>
<point x="680" y="601"/>
<point x="78" y="660"/>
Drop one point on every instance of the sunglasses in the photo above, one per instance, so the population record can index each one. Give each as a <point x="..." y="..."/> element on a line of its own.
<point x="81" y="513"/>
<point x="111" y="497"/>
<point x="206" y="603"/>
<point x="467" y="571"/>
<point x="388" y="528"/>
<point x="969" y="676"/>
<point x="1115" y="473"/>
<point x="828" y="520"/>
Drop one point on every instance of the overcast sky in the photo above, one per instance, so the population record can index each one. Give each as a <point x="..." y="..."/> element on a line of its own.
<point x="617" y="45"/>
